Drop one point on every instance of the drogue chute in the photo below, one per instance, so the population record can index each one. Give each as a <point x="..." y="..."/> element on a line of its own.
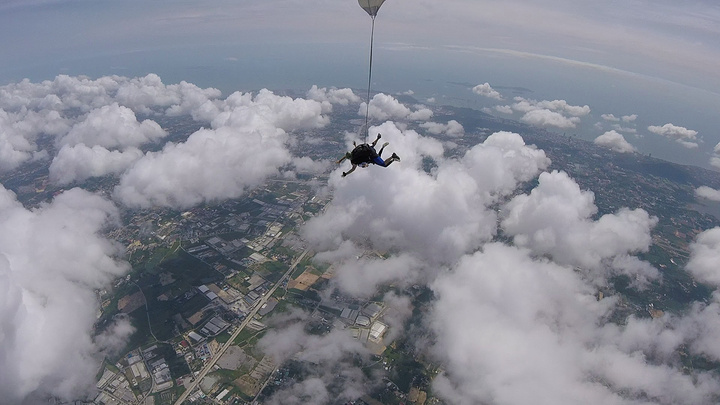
<point x="371" y="6"/>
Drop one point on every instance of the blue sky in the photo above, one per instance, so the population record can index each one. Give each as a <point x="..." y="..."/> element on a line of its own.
<point x="657" y="59"/>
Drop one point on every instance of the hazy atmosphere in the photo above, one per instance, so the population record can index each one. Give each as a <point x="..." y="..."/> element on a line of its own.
<point x="507" y="267"/>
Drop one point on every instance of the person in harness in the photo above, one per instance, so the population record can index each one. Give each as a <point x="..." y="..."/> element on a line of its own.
<point x="363" y="155"/>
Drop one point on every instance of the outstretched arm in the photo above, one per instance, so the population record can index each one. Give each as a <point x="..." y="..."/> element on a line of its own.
<point x="352" y="169"/>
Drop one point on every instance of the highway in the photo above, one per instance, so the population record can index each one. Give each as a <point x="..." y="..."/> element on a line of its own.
<point x="209" y="366"/>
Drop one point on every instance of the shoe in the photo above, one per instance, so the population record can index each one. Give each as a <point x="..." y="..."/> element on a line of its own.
<point x="386" y="144"/>
<point x="395" y="156"/>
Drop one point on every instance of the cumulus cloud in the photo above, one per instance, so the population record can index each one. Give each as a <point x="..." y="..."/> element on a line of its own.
<point x="78" y="163"/>
<point x="629" y="118"/>
<point x="682" y="135"/>
<point x="610" y="117"/>
<point x="487" y="91"/>
<point x="556" y="113"/>
<point x="505" y="109"/>
<point x="621" y="128"/>
<point x="452" y="128"/>
<point x="560" y="106"/>
<point x="437" y="216"/>
<point x="549" y="118"/>
<point x="145" y="94"/>
<point x="101" y="112"/>
<point x="708" y="192"/>
<point x="333" y="95"/>
<point x="512" y="329"/>
<point x="51" y="260"/>
<point x="97" y="133"/>
<point x="247" y="144"/>
<point x="704" y="256"/>
<point x="555" y="219"/>
<point x="113" y="126"/>
<point x="513" y="323"/>
<point x="715" y="162"/>
<point x="19" y="131"/>
<point x="384" y="107"/>
<point x="614" y="141"/>
<point x="715" y="159"/>
<point x="211" y="165"/>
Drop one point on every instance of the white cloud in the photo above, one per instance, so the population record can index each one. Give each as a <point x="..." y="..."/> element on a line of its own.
<point x="629" y="118"/>
<point x="333" y="95"/>
<point x="242" y="110"/>
<point x="555" y="219"/>
<point x="452" y="128"/>
<point x="614" y="141"/>
<point x="610" y="117"/>
<point x="487" y="91"/>
<point x="560" y="106"/>
<point x="511" y="329"/>
<point x="549" y="118"/>
<point x="248" y="144"/>
<point x="688" y="144"/>
<point x="621" y="128"/>
<point x="78" y="163"/>
<point x="113" y="126"/>
<point x="15" y="149"/>
<point x="19" y="131"/>
<point x="211" y="165"/>
<point x="682" y="135"/>
<point x="707" y="192"/>
<point x="384" y="107"/>
<point x="704" y="257"/>
<point x="556" y="113"/>
<point x="51" y="261"/>
<point x="436" y="216"/>
<point x="505" y="109"/>
<point x="715" y="159"/>
<point x="144" y="94"/>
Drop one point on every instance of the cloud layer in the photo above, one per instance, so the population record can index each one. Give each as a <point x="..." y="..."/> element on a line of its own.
<point x="518" y="320"/>
<point x="95" y="129"/>
<point x="51" y="261"/>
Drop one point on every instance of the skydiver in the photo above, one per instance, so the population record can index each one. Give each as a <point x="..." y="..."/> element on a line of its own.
<point x="365" y="154"/>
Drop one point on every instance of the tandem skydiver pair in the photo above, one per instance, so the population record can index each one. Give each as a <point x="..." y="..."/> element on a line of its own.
<point x="363" y="155"/>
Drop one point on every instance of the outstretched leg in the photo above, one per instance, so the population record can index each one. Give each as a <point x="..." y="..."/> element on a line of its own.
<point x="376" y="141"/>
<point x="392" y="158"/>
<point x="383" y="147"/>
